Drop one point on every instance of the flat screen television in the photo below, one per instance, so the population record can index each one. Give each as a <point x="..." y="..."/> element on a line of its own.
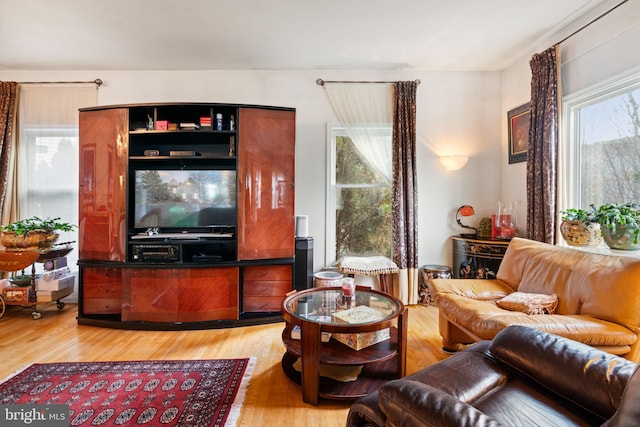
<point x="179" y="200"/>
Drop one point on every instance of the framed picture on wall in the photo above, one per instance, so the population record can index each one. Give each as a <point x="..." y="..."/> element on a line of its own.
<point x="519" y="121"/>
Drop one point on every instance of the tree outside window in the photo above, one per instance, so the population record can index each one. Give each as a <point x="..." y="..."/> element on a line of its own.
<point x="362" y="201"/>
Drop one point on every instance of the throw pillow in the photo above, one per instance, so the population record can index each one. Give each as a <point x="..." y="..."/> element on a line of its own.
<point x="529" y="303"/>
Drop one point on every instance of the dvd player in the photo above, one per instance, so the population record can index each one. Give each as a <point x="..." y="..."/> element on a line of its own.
<point x="155" y="252"/>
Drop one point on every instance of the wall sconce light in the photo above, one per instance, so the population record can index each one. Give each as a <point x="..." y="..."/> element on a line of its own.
<point x="453" y="163"/>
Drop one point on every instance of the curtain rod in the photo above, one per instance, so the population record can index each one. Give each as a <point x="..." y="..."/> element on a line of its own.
<point x="322" y="82"/>
<point x="594" y="20"/>
<point x="97" y="82"/>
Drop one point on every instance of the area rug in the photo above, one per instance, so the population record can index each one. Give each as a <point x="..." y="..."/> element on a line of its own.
<point x="169" y="392"/>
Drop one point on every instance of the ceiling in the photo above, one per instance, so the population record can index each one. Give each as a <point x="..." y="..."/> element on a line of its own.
<point x="432" y="35"/>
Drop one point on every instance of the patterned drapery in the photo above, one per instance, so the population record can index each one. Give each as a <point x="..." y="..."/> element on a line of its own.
<point x="542" y="154"/>
<point x="405" y="192"/>
<point x="8" y="107"/>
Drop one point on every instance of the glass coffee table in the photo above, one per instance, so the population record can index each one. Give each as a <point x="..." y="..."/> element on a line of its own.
<point x="374" y="316"/>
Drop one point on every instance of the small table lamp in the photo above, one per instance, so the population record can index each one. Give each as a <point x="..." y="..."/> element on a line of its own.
<point x="466" y="210"/>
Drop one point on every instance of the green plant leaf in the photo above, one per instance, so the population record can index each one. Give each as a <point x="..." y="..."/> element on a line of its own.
<point x="27" y="225"/>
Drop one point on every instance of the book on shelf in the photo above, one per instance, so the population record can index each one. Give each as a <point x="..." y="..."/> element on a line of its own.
<point x="360" y="314"/>
<point x="62" y="282"/>
<point x="295" y="334"/>
<point x="188" y="125"/>
<point x="58" y="273"/>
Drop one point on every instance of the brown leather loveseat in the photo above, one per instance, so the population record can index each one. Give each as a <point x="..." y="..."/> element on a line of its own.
<point x="524" y="377"/>
<point x="598" y="298"/>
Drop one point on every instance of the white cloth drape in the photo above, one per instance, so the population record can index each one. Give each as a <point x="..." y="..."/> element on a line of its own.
<point x="47" y="155"/>
<point x="364" y="109"/>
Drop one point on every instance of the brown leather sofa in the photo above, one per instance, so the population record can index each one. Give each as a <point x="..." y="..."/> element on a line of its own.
<point x="598" y="298"/>
<point x="524" y="377"/>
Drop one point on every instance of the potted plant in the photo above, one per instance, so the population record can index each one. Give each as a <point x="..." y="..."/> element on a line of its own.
<point x="620" y="224"/>
<point x="580" y="228"/>
<point x="32" y="233"/>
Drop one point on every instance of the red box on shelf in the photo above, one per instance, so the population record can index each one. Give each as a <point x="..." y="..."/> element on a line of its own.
<point x="162" y="124"/>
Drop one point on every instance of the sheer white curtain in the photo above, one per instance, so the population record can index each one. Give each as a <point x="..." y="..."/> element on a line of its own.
<point x="363" y="109"/>
<point x="47" y="156"/>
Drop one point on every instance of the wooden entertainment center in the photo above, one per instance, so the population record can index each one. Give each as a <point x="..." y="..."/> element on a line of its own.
<point x="186" y="215"/>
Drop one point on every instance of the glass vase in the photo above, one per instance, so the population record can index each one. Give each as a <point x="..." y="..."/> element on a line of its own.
<point x="506" y="220"/>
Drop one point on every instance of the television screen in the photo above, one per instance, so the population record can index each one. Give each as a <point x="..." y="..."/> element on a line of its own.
<point x="180" y="199"/>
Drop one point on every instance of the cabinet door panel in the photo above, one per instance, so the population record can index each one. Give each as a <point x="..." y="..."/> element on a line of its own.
<point x="102" y="190"/>
<point x="180" y="295"/>
<point x="209" y="294"/>
<point x="266" y="151"/>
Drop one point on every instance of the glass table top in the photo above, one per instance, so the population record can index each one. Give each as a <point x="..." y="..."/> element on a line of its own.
<point x="329" y="306"/>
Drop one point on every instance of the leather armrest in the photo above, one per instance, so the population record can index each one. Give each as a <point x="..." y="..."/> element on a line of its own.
<point x="410" y="403"/>
<point x="590" y="378"/>
<point x="628" y="414"/>
<point x="365" y="412"/>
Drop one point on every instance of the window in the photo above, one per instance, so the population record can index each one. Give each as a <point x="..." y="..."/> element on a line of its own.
<point x="47" y="156"/>
<point x="603" y="149"/>
<point x="50" y="157"/>
<point x="358" y="201"/>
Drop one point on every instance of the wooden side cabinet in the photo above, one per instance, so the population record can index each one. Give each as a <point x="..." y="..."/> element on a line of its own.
<point x="477" y="258"/>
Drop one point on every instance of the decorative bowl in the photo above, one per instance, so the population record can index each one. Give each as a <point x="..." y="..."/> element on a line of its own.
<point x="328" y="278"/>
<point x="579" y="233"/>
<point x="24" y="280"/>
<point x="622" y="239"/>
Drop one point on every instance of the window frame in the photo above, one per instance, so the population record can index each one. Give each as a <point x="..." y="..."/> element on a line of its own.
<point x="335" y="130"/>
<point x="570" y="150"/>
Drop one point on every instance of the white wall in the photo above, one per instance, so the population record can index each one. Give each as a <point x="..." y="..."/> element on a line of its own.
<point x="605" y="50"/>
<point x="458" y="113"/>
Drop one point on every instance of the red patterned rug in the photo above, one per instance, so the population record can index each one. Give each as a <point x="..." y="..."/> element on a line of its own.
<point x="171" y="392"/>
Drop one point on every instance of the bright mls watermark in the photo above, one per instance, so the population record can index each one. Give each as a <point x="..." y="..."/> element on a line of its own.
<point x="34" y="415"/>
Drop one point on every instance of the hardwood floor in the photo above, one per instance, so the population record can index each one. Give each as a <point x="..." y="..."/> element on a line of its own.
<point x="272" y="399"/>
